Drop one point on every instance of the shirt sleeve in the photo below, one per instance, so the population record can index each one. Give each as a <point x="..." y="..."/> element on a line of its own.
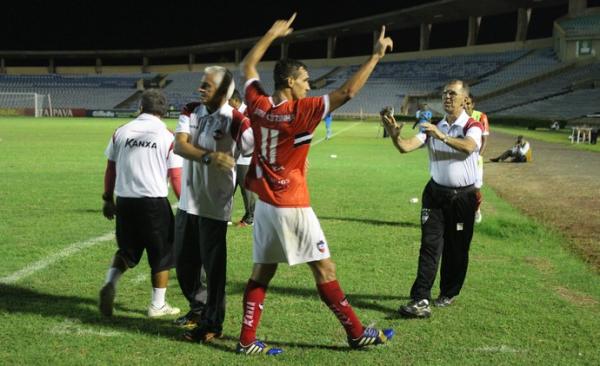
<point x="485" y="123"/>
<point x="312" y="110"/>
<point x="183" y="124"/>
<point x="253" y="91"/>
<point x="422" y="136"/>
<point x="242" y="133"/>
<point x="109" y="152"/>
<point x="475" y="133"/>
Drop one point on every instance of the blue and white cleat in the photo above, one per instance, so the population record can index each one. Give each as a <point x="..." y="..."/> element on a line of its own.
<point x="371" y="337"/>
<point x="257" y="347"/>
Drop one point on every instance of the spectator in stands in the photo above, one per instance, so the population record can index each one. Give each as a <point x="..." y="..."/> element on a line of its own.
<point x="140" y="157"/>
<point x="423" y="115"/>
<point x="242" y="164"/>
<point x="482" y="118"/>
<point x="209" y="134"/>
<point x="520" y="152"/>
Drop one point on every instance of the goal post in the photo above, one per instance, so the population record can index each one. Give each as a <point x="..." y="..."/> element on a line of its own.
<point x="25" y="104"/>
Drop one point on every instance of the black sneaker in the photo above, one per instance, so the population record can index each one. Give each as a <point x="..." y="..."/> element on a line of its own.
<point x="200" y="335"/>
<point x="416" y="309"/>
<point x="188" y="321"/>
<point x="443" y="301"/>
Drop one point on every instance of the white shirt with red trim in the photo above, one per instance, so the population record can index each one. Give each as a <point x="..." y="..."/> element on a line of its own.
<point x="243" y="160"/>
<point x="448" y="166"/>
<point x="206" y="190"/>
<point x="282" y="135"/>
<point x="143" y="153"/>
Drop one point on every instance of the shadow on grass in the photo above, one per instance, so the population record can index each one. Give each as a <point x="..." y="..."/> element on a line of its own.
<point x="22" y="300"/>
<point x="372" y="221"/>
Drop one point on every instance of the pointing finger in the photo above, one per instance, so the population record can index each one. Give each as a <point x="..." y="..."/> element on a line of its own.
<point x="289" y="22"/>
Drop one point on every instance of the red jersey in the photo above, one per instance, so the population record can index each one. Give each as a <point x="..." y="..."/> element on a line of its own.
<point x="282" y="136"/>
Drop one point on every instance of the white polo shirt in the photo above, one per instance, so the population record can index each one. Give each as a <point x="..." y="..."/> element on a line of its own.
<point x="143" y="152"/>
<point x="450" y="167"/>
<point x="206" y="190"/>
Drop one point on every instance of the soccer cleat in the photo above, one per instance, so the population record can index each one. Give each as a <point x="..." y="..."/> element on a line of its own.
<point x="371" y="337"/>
<point x="478" y="217"/>
<point x="187" y="321"/>
<point x="200" y="335"/>
<point x="443" y="301"/>
<point x="107" y="299"/>
<point x="154" y="312"/>
<point x="256" y="348"/>
<point x="416" y="309"/>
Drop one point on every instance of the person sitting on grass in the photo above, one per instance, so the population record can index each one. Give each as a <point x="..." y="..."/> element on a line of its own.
<point x="520" y="152"/>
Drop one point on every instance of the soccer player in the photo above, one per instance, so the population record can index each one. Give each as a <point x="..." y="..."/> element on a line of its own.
<point x="242" y="164"/>
<point x="285" y="227"/>
<point x="482" y="118"/>
<point x="209" y="135"/>
<point x="140" y="157"/>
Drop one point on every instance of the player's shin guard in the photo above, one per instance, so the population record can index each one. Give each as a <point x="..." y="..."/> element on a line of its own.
<point x="334" y="297"/>
<point x="254" y="295"/>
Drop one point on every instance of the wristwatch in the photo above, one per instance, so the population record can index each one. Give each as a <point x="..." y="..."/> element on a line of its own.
<point x="206" y="158"/>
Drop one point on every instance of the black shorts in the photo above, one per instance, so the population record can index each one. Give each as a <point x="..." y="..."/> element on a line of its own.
<point x="146" y="223"/>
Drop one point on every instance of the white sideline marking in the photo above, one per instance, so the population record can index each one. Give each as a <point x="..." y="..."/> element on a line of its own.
<point x="337" y="133"/>
<point x="65" y="252"/>
<point x="502" y="349"/>
<point x="76" y="247"/>
<point x="73" y="326"/>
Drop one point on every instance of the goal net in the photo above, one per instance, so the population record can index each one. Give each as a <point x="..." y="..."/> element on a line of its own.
<point x="25" y="104"/>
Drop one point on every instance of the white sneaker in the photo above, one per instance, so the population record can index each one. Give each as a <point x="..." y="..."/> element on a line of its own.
<point x="478" y="217"/>
<point x="167" y="309"/>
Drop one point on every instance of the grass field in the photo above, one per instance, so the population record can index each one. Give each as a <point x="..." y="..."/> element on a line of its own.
<point x="526" y="299"/>
<point x="543" y="134"/>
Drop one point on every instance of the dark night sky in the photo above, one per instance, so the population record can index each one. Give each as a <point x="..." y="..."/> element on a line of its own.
<point x="84" y="24"/>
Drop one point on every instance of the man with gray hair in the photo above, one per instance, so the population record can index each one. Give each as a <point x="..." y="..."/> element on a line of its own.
<point x="449" y="199"/>
<point x="210" y="135"/>
<point x="140" y="157"/>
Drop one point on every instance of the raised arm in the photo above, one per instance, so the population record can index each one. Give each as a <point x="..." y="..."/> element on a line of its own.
<point x="350" y="88"/>
<point x="280" y="28"/>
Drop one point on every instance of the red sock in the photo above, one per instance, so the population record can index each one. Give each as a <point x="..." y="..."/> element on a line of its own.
<point x="334" y="297"/>
<point x="254" y="295"/>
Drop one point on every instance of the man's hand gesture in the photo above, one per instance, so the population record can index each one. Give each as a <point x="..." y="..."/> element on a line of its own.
<point x="281" y="28"/>
<point x="382" y="44"/>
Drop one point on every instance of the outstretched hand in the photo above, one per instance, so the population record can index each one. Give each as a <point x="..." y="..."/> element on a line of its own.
<point x="389" y="123"/>
<point x="382" y="44"/>
<point x="281" y="28"/>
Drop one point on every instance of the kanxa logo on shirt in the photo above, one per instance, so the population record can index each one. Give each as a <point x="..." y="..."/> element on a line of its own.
<point x="139" y="143"/>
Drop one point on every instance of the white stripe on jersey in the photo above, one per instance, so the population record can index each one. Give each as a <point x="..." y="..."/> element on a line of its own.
<point x="303" y="138"/>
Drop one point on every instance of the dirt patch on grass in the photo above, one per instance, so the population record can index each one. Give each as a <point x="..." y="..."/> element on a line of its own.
<point x="560" y="189"/>
<point x="576" y="298"/>
<point x="543" y="265"/>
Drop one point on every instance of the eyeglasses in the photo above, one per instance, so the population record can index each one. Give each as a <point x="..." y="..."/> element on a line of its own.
<point x="450" y="93"/>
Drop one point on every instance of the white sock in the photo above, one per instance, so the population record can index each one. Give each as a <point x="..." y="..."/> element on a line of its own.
<point x="113" y="276"/>
<point x="158" y="297"/>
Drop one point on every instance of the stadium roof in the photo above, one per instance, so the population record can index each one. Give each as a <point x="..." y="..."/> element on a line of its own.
<point x="434" y="12"/>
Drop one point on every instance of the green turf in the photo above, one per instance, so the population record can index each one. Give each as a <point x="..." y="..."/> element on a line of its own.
<point x="548" y="135"/>
<point x="526" y="299"/>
